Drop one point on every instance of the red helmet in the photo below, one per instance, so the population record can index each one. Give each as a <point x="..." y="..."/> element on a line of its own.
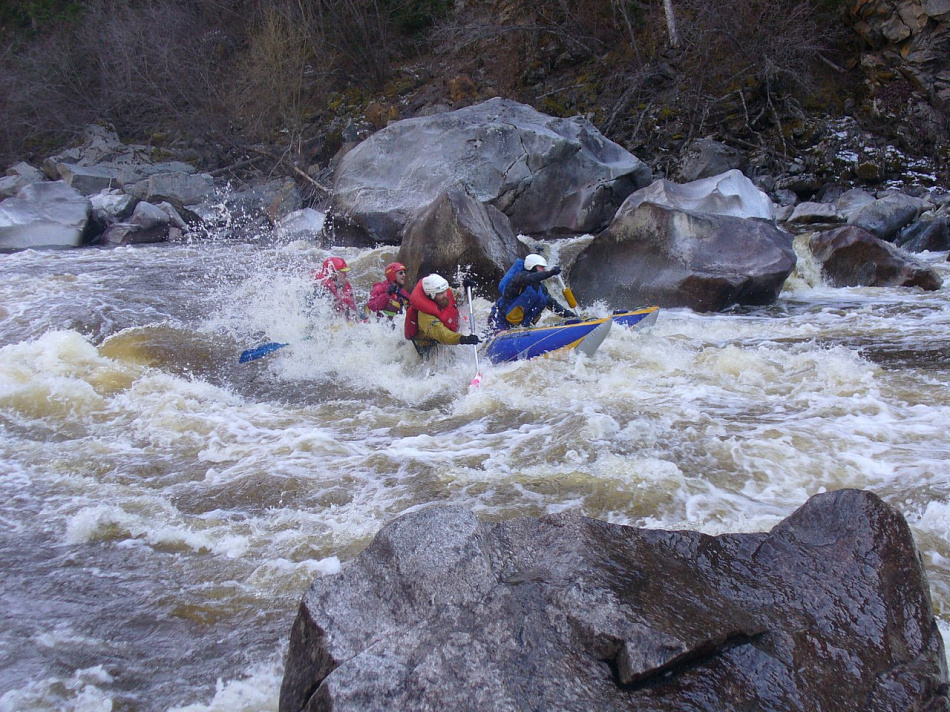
<point x="392" y="268"/>
<point x="334" y="264"/>
<point x="331" y="265"/>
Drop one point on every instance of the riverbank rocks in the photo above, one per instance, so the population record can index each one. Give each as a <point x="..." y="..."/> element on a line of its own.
<point x="17" y="176"/>
<point x="43" y="215"/>
<point x="886" y="216"/>
<point x="830" y="610"/>
<point x="697" y="245"/>
<point x="548" y="175"/>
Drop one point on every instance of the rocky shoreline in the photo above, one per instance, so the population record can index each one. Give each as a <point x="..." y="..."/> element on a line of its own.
<point x="457" y="189"/>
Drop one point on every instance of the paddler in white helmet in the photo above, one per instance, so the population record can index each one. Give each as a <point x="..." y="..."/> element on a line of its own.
<point x="523" y="296"/>
<point x="432" y="317"/>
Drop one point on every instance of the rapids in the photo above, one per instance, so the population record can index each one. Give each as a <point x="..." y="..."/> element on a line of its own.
<point x="165" y="507"/>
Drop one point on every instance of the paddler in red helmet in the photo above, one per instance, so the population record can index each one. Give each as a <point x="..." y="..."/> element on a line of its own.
<point x="389" y="298"/>
<point x="331" y="281"/>
<point x="433" y="318"/>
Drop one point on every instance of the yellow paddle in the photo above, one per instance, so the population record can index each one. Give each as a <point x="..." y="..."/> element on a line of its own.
<point x="568" y="294"/>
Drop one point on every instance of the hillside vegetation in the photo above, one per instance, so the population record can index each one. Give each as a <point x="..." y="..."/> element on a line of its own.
<point x="298" y="78"/>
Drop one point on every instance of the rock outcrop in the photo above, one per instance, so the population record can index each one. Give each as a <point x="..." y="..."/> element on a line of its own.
<point x="548" y="175"/>
<point x="830" y="610"/>
<point x="697" y="245"/>
<point x="458" y="232"/>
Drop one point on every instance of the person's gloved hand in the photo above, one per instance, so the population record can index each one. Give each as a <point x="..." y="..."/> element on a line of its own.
<point x="393" y="288"/>
<point x="555" y="271"/>
<point x="570" y="315"/>
<point x="468" y="282"/>
<point x="469" y="339"/>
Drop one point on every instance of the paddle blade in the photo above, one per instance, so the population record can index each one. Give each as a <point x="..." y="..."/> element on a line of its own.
<point x="590" y="343"/>
<point x="476" y="381"/>
<point x="259" y="352"/>
<point x="568" y="294"/>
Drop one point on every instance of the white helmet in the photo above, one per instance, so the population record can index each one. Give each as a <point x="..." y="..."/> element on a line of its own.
<point x="434" y="284"/>
<point x="532" y="261"/>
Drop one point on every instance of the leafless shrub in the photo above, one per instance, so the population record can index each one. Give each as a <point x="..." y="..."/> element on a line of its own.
<point x="763" y="50"/>
<point x="44" y="96"/>
<point x="281" y="74"/>
<point x="157" y="63"/>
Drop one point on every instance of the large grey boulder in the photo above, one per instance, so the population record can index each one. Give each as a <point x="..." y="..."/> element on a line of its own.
<point x="457" y="231"/>
<point x="90" y="180"/>
<point x="43" y="215"/>
<point x="653" y="254"/>
<point x="851" y="256"/>
<point x="706" y="245"/>
<point x="548" y="175"/>
<point x="829" y="611"/>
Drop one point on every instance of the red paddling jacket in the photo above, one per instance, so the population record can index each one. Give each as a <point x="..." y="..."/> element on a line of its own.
<point x="342" y="297"/>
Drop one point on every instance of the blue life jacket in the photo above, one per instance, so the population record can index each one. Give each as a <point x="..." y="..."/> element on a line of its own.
<point x="528" y="305"/>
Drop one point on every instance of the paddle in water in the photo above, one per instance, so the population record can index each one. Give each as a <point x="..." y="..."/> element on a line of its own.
<point x="477" y="379"/>
<point x="260" y="351"/>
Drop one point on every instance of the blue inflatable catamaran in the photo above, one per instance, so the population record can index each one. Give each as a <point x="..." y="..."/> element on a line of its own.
<point x="584" y="335"/>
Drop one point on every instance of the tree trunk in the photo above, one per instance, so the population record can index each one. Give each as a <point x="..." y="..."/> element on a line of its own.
<point x="671" y="23"/>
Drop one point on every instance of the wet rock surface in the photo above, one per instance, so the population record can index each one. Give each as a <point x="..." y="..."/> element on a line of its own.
<point x="548" y="175"/>
<point x="830" y="610"/>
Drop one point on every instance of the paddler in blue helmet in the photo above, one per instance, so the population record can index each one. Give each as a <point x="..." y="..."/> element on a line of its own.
<point x="523" y="296"/>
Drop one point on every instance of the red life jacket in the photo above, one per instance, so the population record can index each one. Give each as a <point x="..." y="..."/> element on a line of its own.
<point x="343" y="299"/>
<point x="419" y="301"/>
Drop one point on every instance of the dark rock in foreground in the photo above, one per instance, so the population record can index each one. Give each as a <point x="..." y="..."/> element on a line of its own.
<point x="828" y="611"/>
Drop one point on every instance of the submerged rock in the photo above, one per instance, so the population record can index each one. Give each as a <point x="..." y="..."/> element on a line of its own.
<point x="830" y="610"/>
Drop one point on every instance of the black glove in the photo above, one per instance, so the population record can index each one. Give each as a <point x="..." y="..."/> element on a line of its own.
<point x="468" y="282"/>
<point x="554" y="271"/>
<point x="468" y="340"/>
<point x="393" y="288"/>
<point x="569" y="314"/>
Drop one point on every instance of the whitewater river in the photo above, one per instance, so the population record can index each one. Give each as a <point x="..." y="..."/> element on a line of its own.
<point x="165" y="507"/>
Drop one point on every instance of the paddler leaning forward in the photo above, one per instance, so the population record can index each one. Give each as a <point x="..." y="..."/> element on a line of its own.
<point x="433" y="318"/>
